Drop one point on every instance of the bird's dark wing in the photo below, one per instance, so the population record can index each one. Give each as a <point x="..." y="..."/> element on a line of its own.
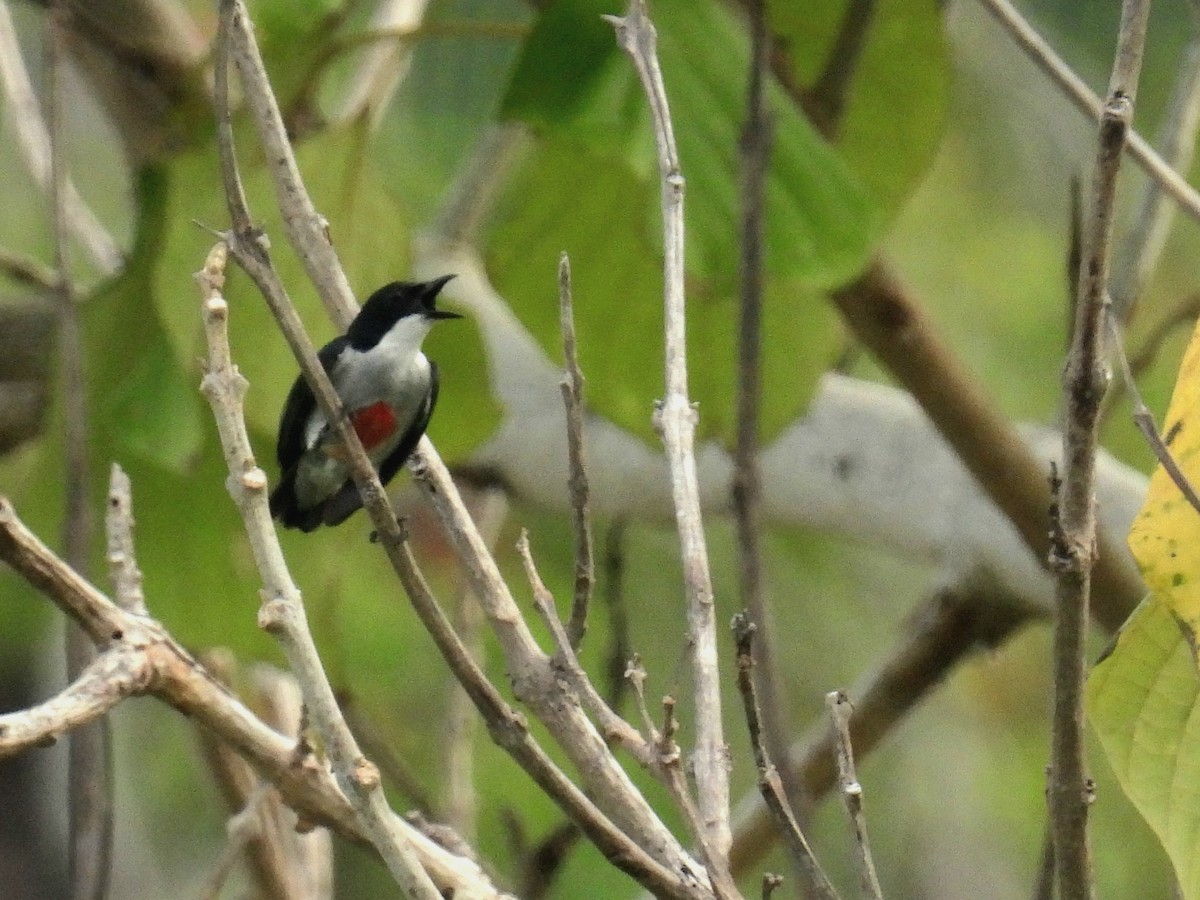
<point x="300" y="405"/>
<point x="391" y="465"/>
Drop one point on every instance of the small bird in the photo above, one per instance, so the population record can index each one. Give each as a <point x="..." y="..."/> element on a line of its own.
<point x="388" y="390"/>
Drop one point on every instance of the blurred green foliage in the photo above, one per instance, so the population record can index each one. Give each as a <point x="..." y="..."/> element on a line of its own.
<point x="953" y="164"/>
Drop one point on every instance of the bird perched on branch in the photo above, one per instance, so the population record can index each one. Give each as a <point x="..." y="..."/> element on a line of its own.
<point x="388" y="390"/>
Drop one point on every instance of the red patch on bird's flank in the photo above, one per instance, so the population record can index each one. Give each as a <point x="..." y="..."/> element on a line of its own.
<point x="374" y="424"/>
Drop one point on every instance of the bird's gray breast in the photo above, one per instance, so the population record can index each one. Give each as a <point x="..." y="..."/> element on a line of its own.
<point x="363" y="378"/>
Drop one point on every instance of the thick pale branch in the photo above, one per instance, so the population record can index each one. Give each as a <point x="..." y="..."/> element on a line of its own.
<point x="282" y="613"/>
<point x="109" y="679"/>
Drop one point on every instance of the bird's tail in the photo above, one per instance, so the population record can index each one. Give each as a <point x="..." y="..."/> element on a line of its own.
<point x="285" y="506"/>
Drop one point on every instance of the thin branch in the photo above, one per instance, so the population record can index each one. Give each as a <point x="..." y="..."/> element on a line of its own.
<point x="814" y="882"/>
<point x="953" y="625"/>
<point x="615" y="728"/>
<point x="105" y="682"/>
<point x="89" y="764"/>
<point x="1144" y="418"/>
<point x="1085" y="380"/>
<point x="178" y="680"/>
<point x="1042" y="54"/>
<point x="33" y="137"/>
<point x="286" y="856"/>
<point x="534" y="677"/>
<point x="675" y="420"/>
<point x="840" y="711"/>
<point x="240" y="830"/>
<point x="1144" y="240"/>
<point x="506" y="727"/>
<point x="282" y="613"/>
<point x="827" y="99"/>
<point x="123" y="567"/>
<point x="378" y="746"/>
<point x="668" y="766"/>
<point x="635" y="839"/>
<point x="306" y="229"/>
<point x="572" y="391"/>
<point x="746" y="486"/>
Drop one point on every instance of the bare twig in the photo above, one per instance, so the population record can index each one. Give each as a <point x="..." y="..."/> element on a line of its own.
<point x="852" y="793"/>
<point x="378" y="746"/>
<point x="534" y="677"/>
<point x="240" y="829"/>
<point x="107" y="680"/>
<point x="954" y="623"/>
<point x="770" y="884"/>
<point x="126" y="576"/>
<point x="675" y="420"/>
<point x="1144" y="240"/>
<point x="1043" y="55"/>
<point x="282" y="613"/>
<point x="827" y="99"/>
<point x="755" y="154"/>
<point x="613" y="726"/>
<point x="1085" y="379"/>
<point x="814" y="882"/>
<point x="287" y="857"/>
<point x="1144" y="418"/>
<point x="507" y="728"/>
<point x="177" y="679"/>
<point x="634" y="838"/>
<point x="668" y="765"/>
<point x="572" y="391"/>
<point x="306" y="229"/>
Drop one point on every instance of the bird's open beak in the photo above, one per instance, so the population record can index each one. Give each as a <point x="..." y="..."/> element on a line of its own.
<point x="432" y="289"/>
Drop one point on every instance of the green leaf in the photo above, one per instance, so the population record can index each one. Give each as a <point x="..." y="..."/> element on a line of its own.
<point x="143" y="396"/>
<point x="592" y="206"/>
<point x="819" y="221"/>
<point x="899" y="93"/>
<point x="1142" y="701"/>
<point x="562" y="62"/>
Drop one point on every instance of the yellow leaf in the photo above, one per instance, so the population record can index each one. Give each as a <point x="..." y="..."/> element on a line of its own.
<point x="1165" y="537"/>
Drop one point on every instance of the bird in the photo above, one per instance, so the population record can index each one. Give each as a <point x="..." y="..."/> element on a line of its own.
<point x="388" y="389"/>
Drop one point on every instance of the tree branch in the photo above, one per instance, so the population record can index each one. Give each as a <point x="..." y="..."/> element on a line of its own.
<point x="1044" y="57"/>
<point x="1085" y="380"/>
<point x="572" y="391"/>
<point x="675" y="420"/>
<point x="282" y="613"/>
<point x="813" y="878"/>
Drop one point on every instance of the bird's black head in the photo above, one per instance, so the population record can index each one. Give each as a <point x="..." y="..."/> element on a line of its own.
<point x="393" y="302"/>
